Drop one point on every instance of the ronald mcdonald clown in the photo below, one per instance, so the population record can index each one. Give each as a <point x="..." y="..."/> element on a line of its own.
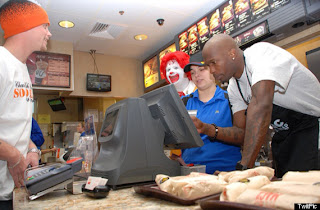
<point x="171" y="67"/>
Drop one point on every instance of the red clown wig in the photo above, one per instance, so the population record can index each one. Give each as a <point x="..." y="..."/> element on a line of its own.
<point x="181" y="57"/>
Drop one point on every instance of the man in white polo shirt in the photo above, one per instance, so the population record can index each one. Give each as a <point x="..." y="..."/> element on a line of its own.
<point x="269" y="86"/>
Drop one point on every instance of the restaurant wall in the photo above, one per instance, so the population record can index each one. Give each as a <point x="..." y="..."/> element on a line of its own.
<point x="126" y="75"/>
<point x="299" y="51"/>
<point x="299" y="43"/>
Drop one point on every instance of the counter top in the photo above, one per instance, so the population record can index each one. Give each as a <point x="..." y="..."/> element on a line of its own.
<point x="117" y="199"/>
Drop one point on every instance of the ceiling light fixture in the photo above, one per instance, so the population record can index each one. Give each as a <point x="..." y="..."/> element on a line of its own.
<point x="140" y="37"/>
<point x="66" y="24"/>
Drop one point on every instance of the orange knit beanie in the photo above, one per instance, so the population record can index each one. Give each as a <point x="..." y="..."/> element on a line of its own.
<point x="17" y="16"/>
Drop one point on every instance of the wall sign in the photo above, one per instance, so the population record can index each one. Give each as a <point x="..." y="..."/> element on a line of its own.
<point x="49" y="69"/>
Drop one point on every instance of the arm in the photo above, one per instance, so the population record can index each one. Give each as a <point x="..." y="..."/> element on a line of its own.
<point x="258" y="120"/>
<point x="16" y="163"/>
<point x="44" y="151"/>
<point x="231" y="135"/>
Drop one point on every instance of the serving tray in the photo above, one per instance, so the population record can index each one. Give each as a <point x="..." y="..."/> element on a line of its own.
<point x="154" y="191"/>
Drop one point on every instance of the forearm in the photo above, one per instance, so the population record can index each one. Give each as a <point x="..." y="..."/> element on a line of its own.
<point x="257" y="125"/>
<point x="231" y="135"/>
<point x="8" y="152"/>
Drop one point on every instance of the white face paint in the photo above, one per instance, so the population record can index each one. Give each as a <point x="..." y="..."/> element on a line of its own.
<point x="176" y="75"/>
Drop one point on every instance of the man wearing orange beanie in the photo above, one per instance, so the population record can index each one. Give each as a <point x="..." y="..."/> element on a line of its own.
<point x="25" y="25"/>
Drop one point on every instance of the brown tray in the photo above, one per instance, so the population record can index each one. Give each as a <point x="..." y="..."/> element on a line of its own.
<point x="154" y="191"/>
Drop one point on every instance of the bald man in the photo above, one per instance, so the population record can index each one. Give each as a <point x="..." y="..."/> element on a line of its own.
<point x="267" y="85"/>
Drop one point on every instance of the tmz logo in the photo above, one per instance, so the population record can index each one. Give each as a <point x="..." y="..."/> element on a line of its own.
<point x="23" y="91"/>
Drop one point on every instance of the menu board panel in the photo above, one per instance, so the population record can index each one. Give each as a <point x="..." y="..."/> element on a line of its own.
<point x="230" y="17"/>
<point x="276" y="4"/>
<point x="243" y="13"/>
<point x="49" y="69"/>
<point x="193" y="39"/>
<point x="215" y="22"/>
<point x="228" y="20"/>
<point x="260" y="8"/>
<point x="183" y="42"/>
<point x="252" y="34"/>
<point x="171" y="48"/>
<point x="204" y="33"/>
<point x="151" y="73"/>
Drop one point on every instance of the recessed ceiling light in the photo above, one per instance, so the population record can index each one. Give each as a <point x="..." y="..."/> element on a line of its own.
<point x="140" y="37"/>
<point x="66" y="24"/>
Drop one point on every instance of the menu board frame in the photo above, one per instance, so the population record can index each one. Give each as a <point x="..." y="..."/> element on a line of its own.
<point x="39" y="65"/>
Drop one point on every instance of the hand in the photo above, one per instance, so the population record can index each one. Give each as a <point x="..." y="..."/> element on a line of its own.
<point x="201" y="127"/>
<point x="32" y="159"/>
<point x="17" y="171"/>
<point x="54" y="149"/>
<point x="178" y="158"/>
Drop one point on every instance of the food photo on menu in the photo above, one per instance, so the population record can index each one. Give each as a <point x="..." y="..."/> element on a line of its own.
<point x="183" y="42"/>
<point x="194" y="45"/>
<point x="242" y="12"/>
<point x="215" y="22"/>
<point x="260" y="8"/>
<point x="150" y="70"/>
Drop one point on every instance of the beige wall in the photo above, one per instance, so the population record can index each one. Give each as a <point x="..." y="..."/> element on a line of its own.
<point x="126" y="75"/>
<point x="299" y="51"/>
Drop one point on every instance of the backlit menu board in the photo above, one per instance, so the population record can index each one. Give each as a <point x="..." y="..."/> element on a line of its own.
<point x="151" y="72"/>
<point x="243" y="13"/>
<point x="228" y="20"/>
<point x="252" y="34"/>
<point x="171" y="48"/>
<point x="204" y="33"/>
<point x="230" y="17"/>
<point x="215" y="22"/>
<point x="193" y="40"/>
<point x="183" y="42"/>
<point x="49" y="69"/>
<point x="260" y="8"/>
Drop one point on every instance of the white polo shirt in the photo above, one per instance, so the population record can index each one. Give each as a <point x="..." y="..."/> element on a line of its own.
<point x="296" y="87"/>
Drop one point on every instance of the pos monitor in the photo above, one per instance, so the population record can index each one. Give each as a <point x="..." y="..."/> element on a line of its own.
<point x="135" y="133"/>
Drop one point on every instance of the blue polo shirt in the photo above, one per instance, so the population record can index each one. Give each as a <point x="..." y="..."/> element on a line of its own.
<point x="215" y="155"/>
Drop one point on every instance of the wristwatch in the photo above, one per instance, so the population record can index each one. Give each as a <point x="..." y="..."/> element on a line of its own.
<point x="240" y="167"/>
<point x="35" y="150"/>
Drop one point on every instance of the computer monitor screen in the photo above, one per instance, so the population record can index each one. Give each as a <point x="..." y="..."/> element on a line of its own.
<point x="109" y="124"/>
<point x="165" y="104"/>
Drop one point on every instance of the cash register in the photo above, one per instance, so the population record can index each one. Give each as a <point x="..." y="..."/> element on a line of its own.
<point x="135" y="133"/>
